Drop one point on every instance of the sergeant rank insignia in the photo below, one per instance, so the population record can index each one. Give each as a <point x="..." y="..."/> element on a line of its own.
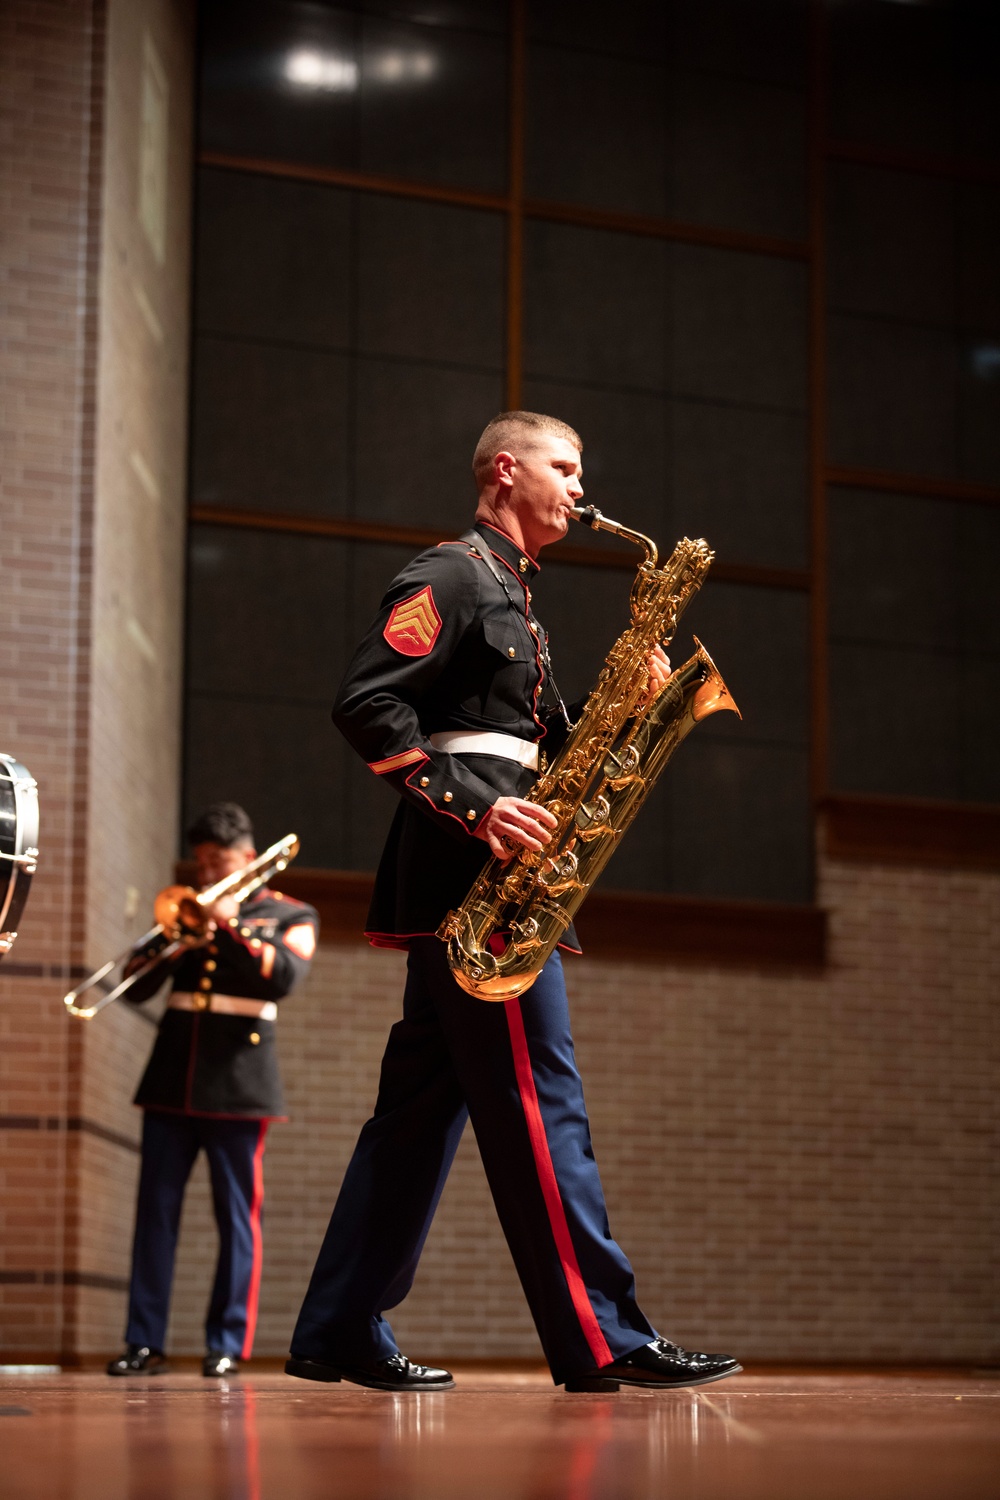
<point x="414" y="625"/>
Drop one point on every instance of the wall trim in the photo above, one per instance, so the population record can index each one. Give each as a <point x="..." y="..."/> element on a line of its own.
<point x="94" y="1279"/>
<point x="927" y="486"/>
<point x="613" y="924"/>
<point x="74" y="1124"/>
<point x="348" y="528"/>
<point x="962" y="835"/>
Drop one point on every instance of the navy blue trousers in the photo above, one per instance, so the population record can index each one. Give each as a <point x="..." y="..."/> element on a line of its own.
<point x="511" y="1069"/>
<point x="235" y="1151"/>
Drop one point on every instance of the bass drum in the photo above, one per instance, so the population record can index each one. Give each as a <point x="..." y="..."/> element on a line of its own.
<point x="18" y="844"/>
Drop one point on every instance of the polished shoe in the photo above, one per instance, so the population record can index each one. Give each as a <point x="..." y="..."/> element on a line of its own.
<point x="138" y="1360"/>
<point x="393" y="1374"/>
<point x="655" y="1366"/>
<point x="217" y="1363"/>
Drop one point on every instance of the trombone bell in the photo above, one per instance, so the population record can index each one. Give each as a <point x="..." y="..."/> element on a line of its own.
<point x="180" y="917"/>
<point x="179" y="912"/>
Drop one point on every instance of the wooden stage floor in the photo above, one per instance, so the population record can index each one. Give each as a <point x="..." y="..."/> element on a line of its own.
<point x="502" y="1435"/>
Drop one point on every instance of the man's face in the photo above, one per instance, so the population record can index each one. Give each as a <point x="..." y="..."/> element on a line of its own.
<point x="545" y="488"/>
<point x="213" y="863"/>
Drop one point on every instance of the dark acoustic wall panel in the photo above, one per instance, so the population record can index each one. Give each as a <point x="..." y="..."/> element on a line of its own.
<point x="596" y="307"/>
<point x="694" y="111"/>
<point x="334" y="86"/>
<point x="272" y="623"/>
<point x="271" y="427"/>
<point x="430" y="282"/>
<point x="347" y="347"/>
<point x="914" y="330"/>
<point x="894" y="349"/>
<point x="915" y="647"/>
<point x="727" y="817"/>
<point x="597" y="129"/>
<point x="918" y="78"/>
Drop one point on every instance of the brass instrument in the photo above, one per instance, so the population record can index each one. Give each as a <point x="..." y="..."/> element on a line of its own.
<point x="180" y="914"/>
<point x="595" y="785"/>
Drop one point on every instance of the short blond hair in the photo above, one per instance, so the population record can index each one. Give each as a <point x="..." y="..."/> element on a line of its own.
<point x="516" y="432"/>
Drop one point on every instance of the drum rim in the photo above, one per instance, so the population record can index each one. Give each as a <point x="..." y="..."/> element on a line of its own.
<point x="25" y="790"/>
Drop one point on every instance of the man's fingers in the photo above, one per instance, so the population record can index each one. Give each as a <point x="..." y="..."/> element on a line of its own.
<point x="529" y="823"/>
<point x="533" y="811"/>
<point x="512" y="820"/>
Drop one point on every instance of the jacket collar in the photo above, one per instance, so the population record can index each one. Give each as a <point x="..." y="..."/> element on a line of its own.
<point x="522" y="564"/>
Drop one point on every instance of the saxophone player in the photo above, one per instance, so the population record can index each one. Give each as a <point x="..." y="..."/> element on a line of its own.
<point x="446" y="697"/>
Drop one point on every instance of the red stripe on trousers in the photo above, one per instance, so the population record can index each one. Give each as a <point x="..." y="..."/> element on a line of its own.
<point x="550" y="1187"/>
<point x="253" y="1296"/>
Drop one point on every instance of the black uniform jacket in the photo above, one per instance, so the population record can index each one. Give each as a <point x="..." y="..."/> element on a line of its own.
<point x="204" y="1063"/>
<point x="451" y="648"/>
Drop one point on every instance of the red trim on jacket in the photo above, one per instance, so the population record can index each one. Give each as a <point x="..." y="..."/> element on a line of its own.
<point x="540" y="684"/>
<point x="397" y="762"/>
<point x="444" y="811"/>
<point x="523" y="550"/>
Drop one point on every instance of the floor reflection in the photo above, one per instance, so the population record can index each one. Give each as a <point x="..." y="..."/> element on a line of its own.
<point x="499" y="1437"/>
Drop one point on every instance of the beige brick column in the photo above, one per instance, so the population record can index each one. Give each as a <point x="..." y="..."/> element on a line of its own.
<point x="94" y="277"/>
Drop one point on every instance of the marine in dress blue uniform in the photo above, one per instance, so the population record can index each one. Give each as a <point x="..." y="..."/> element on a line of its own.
<point x="445" y="698"/>
<point x="212" y="1084"/>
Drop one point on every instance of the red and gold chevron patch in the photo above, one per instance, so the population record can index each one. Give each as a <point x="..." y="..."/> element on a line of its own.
<point x="414" y="625"/>
<point x="301" y="939"/>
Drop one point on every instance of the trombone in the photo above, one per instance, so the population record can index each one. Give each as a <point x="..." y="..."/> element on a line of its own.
<point x="180" y="913"/>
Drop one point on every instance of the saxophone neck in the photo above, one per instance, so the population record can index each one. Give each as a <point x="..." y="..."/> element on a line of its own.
<point x="589" y="515"/>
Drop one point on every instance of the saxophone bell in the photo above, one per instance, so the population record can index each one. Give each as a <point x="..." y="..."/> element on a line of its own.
<point x="713" y="697"/>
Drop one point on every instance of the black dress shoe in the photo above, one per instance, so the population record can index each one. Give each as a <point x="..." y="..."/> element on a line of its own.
<point x="138" y="1360"/>
<point x="659" y="1365"/>
<point x="393" y="1374"/>
<point x="217" y="1363"/>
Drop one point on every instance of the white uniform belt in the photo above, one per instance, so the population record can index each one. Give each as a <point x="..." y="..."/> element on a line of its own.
<point x="224" y="1005"/>
<point x="472" y="742"/>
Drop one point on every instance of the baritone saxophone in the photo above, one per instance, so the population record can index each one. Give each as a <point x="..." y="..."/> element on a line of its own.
<point x="517" y="910"/>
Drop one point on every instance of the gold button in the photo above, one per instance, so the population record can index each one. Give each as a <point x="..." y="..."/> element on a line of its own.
<point x="205" y="984"/>
<point x="511" y="651"/>
<point x="255" y="942"/>
<point x="234" y="921"/>
<point x="447" y="796"/>
<point x="201" y="1002"/>
<point x="210" y="965"/>
<point x="471" y="815"/>
<point x="425" y="781"/>
<point x="212" y="948"/>
<point x="523" y="565"/>
<point x="244" y="932"/>
<point x="255" y="1037"/>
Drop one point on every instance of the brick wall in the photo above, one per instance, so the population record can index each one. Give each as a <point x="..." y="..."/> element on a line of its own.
<point x="799" y="1166"/>
<point x="93" y="384"/>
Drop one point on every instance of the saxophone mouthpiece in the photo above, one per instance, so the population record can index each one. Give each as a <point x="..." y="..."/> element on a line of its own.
<point x="589" y="515"/>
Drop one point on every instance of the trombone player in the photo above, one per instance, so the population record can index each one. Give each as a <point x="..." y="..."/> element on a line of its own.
<point x="212" y="1084"/>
